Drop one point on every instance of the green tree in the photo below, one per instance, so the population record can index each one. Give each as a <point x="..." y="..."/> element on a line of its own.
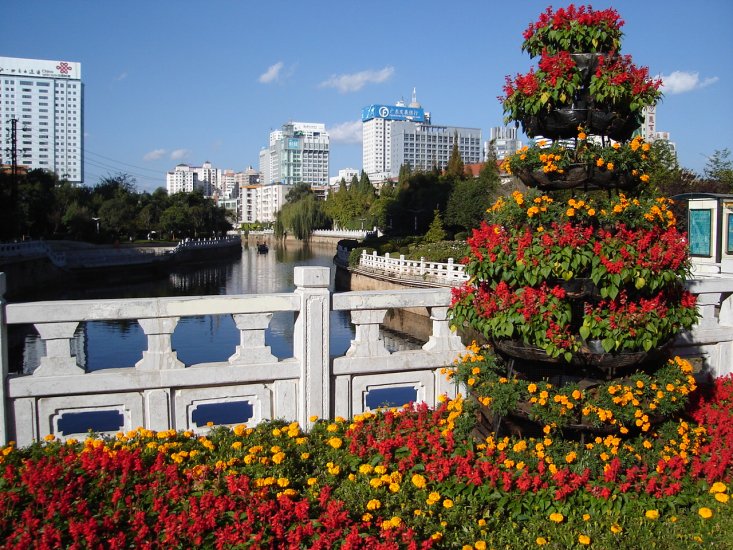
<point x="301" y="217"/>
<point x="455" y="168"/>
<point x="470" y="198"/>
<point x="435" y="232"/>
<point x="719" y="168"/>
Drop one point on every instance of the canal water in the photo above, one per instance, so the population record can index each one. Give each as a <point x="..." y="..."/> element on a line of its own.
<point x="104" y="345"/>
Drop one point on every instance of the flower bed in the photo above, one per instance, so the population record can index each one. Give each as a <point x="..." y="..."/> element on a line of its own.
<point x="394" y="479"/>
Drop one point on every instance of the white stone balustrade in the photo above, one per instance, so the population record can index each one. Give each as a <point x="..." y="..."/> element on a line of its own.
<point x="440" y="273"/>
<point x="160" y="392"/>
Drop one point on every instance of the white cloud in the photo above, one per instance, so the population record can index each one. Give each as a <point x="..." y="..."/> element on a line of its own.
<point x="272" y="73"/>
<point x="346" y="132"/>
<point x="345" y="83"/>
<point x="155" y="154"/>
<point x="680" y="82"/>
<point x="179" y="154"/>
<point x="121" y="76"/>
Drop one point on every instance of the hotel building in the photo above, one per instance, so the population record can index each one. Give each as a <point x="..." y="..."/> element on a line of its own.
<point x="41" y="111"/>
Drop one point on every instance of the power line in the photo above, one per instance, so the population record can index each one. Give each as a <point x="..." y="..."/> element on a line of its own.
<point x="158" y="172"/>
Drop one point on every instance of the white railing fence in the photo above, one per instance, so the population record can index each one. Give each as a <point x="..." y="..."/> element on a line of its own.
<point x="160" y="392"/>
<point x="446" y="273"/>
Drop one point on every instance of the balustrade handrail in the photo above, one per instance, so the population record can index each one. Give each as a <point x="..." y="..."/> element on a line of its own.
<point x="441" y="272"/>
<point x="160" y="392"/>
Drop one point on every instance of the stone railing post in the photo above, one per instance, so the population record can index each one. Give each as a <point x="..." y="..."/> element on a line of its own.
<point x="58" y="359"/>
<point x="422" y="265"/>
<point x="707" y="302"/>
<point x="160" y="354"/>
<point x="442" y="338"/>
<point x="4" y="405"/>
<point x="252" y="348"/>
<point x="311" y="343"/>
<point x="366" y="342"/>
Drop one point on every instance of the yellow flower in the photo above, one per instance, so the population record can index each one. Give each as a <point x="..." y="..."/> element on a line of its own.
<point x="366" y="517"/>
<point x="718" y="487"/>
<point x="600" y="162"/>
<point x="644" y="178"/>
<point x="609" y="166"/>
<point x="557" y="517"/>
<point x="570" y="212"/>
<point x="418" y="481"/>
<point x="479" y="545"/>
<point x="583" y="539"/>
<point x="721" y="497"/>
<point x="447" y="503"/>
<point x="652" y="514"/>
<point x="541" y="541"/>
<point x="374" y="504"/>
<point x="616" y="529"/>
<point x="705" y="513"/>
<point x="582" y="135"/>
<point x="335" y="442"/>
<point x="586" y="517"/>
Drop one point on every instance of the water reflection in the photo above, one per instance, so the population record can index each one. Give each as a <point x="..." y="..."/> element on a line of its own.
<point x="114" y="344"/>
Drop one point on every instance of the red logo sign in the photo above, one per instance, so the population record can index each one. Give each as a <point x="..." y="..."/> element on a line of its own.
<point x="64" y="67"/>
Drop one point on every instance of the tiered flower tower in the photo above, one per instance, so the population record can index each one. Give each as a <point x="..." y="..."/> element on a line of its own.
<point x="578" y="284"/>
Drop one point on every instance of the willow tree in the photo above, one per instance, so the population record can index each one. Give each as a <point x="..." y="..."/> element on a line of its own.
<point x="301" y="218"/>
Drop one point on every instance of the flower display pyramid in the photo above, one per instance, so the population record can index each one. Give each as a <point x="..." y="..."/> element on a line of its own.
<point x="578" y="284"/>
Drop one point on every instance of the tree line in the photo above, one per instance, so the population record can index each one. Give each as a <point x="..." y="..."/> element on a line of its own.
<point x="38" y="205"/>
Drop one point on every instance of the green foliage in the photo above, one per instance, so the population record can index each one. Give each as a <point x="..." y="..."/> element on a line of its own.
<point x="435" y="233"/>
<point x="302" y="216"/>
<point x="470" y="198"/>
<point x="719" y="168"/>
<point x="455" y="168"/>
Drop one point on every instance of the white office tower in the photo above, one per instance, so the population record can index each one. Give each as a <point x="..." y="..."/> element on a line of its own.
<point x="183" y="179"/>
<point x="209" y="179"/>
<point x="41" y="116"/>
<point x="297" y="153"/>
<point x="505" y="142"/>
<point x="395" y="135"/>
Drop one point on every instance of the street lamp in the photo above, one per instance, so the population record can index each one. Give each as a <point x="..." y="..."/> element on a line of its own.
<point x="96" y="220"/>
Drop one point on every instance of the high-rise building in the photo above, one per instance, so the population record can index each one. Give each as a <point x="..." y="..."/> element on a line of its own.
<point x="504" y="140"/>
<point x="183" y="179"/>
<point x="41" y="116"/>
<point x="297" y="153"/>
<point x="400" y="134"/>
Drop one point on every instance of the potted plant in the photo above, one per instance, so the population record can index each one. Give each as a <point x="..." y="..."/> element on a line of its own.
<point x="575" y="29"/>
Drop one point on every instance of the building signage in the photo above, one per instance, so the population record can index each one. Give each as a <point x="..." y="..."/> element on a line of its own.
<point x="701" y="230"/>
<point x="393" y="112"/>
<point x="293" y="143"/>
<point x="39" y="68"/>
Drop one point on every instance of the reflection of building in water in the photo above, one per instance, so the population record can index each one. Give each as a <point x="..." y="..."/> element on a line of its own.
<point x="34" y="348"/>
<point x="399" y="341"/>
<point x="202" y="280"/>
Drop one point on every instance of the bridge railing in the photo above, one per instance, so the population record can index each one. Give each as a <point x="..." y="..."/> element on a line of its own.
<point x="160" y="392"/>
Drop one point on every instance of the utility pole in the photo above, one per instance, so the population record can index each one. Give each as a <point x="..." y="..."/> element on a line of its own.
<point x="13" y="150"/>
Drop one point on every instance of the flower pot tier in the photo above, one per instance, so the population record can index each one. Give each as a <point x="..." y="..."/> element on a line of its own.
<point x="585" y="176"/>
<point x="563" y="123"/>
<point x="590" y="362"/>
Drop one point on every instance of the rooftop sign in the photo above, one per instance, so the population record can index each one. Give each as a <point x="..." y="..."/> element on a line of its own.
<point x="393" y="112"/>
<point x="39" y="68"/>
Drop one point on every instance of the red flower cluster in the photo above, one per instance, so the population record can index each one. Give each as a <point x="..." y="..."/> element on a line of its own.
<point x="618" y="70"/>
<point x="560" y="65"/>
<point x="564" y="18"/>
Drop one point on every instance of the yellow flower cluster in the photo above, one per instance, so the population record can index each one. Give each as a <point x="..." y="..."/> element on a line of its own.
<point x="549" y="163"/>
<point x="660" y="212"/>
<point x="575" y="205"/>
<point x="539" y="205"/>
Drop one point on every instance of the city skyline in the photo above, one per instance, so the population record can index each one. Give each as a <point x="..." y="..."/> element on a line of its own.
<point x="185" y="82"/>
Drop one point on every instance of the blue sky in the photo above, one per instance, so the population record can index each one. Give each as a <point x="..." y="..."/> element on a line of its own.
<point x="181" y="81"/>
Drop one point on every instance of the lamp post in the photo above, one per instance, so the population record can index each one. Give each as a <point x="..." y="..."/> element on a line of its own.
<point x="96" y="220"/>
